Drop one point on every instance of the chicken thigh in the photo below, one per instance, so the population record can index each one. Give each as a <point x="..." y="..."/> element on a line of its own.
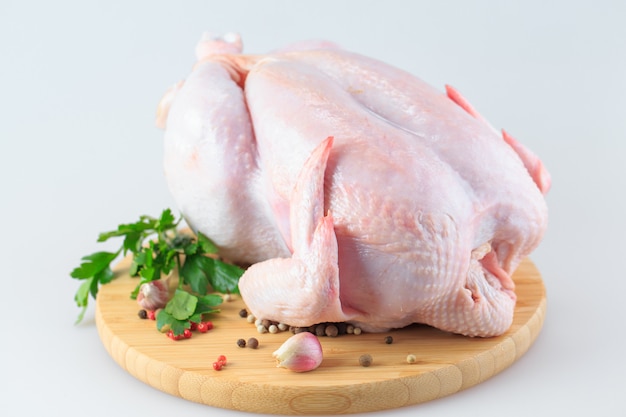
<point x="356" y="192"/>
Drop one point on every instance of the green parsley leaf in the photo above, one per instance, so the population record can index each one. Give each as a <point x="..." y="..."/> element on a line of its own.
<point x="206" y="244"/>
<point x="82" y="295"/>
<point x="225" y="277"/>
<point x="139" y="260"/>
<point x="94" y="271"/>
<point x="191" y="249"/>
<point x="182" y="305"/>
<point x="132" y="242"/>
<point x="149" y="273"/>
<point x="165" y="321"/>
<point x="145" y="224"/>
<point x="207" y="303"/>
<point x="96" y="262"/>
<point x="200" y="272"/>
<point x="195" y="272"/>
<point x="166" y="221"/>
<point x="104" y="276"/>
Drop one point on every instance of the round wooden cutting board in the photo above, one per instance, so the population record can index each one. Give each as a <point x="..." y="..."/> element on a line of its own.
<point x="446" y="363"/>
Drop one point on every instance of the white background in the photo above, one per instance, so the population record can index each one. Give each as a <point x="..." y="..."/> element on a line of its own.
<point x="80" y="154"/>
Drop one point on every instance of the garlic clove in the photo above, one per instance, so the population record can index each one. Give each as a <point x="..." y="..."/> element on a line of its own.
<point x="153" y="295"/>
<point x="300" y="353"/>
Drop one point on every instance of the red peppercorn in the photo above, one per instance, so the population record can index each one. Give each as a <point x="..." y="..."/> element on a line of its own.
<point x="217" y="366"/>
<point x="202" y="327"/>
<point x="151" y="315"/>
<point x="209" y="325"/>
<point x="194" y="325"/>
<point x="171" y="335"/>
<point x="187" y="334"/>
<point x="222" y="359"/>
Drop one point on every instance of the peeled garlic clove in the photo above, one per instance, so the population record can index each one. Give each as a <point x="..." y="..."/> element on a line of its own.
<point x="300" y="353"/>
<point x="153" y="295"/>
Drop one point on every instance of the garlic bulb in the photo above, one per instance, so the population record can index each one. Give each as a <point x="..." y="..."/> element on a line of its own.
<point x="300" y="353"/>
<point x="153" y="295"/>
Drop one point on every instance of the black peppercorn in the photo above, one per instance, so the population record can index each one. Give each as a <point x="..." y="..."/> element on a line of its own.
<point x="365" y="360"/>
<point x="253" y="343"/>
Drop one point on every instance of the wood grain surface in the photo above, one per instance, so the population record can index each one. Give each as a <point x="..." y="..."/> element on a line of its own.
<point x="251" y="382"/>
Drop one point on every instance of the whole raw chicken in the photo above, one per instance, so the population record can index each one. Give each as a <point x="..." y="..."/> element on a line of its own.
<point x="357" y="192"/>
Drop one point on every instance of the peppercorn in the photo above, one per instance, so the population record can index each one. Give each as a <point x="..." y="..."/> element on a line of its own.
<point x="253" y="343"/>
<point x="241" y="343"/>
<point x="171" y="335"/>
<point x="331" y="330"/>
<point x="320" y="330"/>
<point x="411" y="358"/>
<point x="243" y="313"/>
<point x="365" y="360"/>
<point x="389" y="340"/>
<point x="204" y="326"/>
<point x="143" y="314"/>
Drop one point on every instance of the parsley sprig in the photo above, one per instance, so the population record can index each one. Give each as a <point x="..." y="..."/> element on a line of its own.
<point x="157" y="248"/>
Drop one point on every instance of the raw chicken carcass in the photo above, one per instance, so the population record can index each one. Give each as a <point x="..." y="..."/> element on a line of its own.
<point x="357" y="192"/>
